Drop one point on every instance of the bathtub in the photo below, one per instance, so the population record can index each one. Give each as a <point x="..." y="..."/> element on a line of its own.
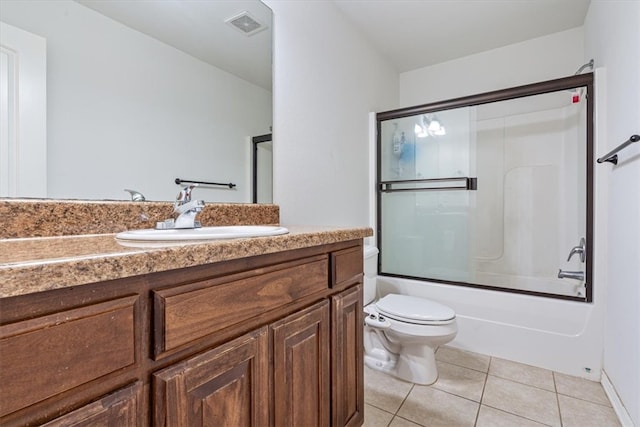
<point x="560" y="335"/>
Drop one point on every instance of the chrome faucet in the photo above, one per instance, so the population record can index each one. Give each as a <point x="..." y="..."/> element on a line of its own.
<point x="136" y="196"/>
<point x="578" y="275"/>
<point x="185" y="210"/>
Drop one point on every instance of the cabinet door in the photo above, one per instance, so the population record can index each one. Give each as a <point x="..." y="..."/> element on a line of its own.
<point x="347" y="386"/>
<point x="301" y="368"/>
<point x="120" y="409"/>
<point x="226" y="386"/>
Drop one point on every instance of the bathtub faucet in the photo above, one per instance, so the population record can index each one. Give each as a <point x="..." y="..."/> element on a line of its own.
<point x="578" y="275"/>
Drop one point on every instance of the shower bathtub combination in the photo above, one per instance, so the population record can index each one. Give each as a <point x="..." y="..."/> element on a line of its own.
<point x="485" y="204"/>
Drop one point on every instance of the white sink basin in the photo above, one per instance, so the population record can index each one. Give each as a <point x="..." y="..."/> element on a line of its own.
<point x="199" y="234"/>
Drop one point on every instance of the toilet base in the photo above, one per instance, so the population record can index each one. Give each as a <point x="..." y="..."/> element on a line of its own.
<point x="416" y="364"/>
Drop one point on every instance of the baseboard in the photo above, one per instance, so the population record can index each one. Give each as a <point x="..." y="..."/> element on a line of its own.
<point x="618" y="407"/>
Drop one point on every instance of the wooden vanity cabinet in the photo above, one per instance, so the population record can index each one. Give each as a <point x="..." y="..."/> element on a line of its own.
<point x="228" y="385"/>
<point x="273" y="340"/>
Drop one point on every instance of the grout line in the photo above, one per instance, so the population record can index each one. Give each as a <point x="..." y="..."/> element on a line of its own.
<point x="377" y="407"/>
<point x="405" y="399"/>
<point x="526" y="384"/>
<point x="604" y="405"/>
<point x="516" y="415"/>
<point x="405" y="419"/>
<point x="486" y="378"/>
<point x="555" y="387"/>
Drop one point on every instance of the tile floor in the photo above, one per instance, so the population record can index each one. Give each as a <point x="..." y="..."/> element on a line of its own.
<point x="482" y="391"/>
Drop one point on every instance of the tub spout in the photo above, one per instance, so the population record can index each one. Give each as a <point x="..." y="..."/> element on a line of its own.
<point x="578" y="275"/>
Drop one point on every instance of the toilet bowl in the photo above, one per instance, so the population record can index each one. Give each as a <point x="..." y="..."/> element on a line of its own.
<point x="402" y="332"/>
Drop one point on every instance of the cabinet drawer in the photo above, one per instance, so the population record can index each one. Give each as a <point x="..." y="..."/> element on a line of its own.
<point x="49" y="355"/>
<point x="121" y="408"/>
<point x="345" y="265"/>
<point x="186" y="313"/>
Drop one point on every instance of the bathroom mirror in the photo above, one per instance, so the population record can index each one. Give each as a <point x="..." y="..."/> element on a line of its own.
<point x="139" y="93"/>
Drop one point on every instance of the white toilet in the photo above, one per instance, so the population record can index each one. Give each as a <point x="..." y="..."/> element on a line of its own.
<point x="401" y="332"/>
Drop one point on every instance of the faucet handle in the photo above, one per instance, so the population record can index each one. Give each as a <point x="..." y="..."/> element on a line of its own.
<point x="580" y="249"/>
<point x="136" y="196"/>
<point x="184" y="196"/>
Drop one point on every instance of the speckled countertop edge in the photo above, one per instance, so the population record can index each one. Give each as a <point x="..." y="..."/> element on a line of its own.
<point x="40" y="264"/>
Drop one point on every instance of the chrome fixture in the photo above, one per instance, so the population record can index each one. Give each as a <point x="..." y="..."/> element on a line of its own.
<point x="589" y="64"/>
<point x="581" y="250"/>
<point x="136" y="196"/>
<point x="578" y="275"/>
<point x="185" y="209"/>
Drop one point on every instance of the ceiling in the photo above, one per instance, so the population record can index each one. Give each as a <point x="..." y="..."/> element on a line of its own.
<point x="410" y="34"/>
<point x="198" y="27"/>
<point x="413" y="34"/>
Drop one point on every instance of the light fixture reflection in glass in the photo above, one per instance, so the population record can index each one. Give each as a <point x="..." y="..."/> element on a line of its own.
<point x="430" y="126"/>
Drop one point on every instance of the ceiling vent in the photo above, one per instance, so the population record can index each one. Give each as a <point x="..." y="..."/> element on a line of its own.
<point x="245" y="23"/>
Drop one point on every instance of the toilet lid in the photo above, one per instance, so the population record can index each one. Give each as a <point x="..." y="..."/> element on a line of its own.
<point x="414" y="309"/>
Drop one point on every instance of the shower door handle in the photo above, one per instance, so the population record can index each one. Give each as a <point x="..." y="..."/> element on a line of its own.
<point x="581" y="249"/>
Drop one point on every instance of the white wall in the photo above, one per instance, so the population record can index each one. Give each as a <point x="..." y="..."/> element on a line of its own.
<point x="544" y="58"/>
<point x="127" y="111"/>
<point x="612" y="38"/>
<point x="327" y="79"/>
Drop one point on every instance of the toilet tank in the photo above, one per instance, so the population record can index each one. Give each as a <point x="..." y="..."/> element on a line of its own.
<point x="370" y="273"/>
<point x="370" y="261"/>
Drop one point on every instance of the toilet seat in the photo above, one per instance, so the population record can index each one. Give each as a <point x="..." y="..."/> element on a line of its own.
<point x="421" y="311"/>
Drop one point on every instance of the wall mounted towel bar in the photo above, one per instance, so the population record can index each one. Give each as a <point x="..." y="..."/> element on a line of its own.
<point x="612" y="156"/>
<point x="187" y="181"/>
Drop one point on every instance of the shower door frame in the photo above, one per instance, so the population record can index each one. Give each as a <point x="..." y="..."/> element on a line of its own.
<point x="565" y="83"/>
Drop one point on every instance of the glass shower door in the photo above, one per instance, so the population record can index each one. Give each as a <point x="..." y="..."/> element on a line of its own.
<point x="427" y="185"/>
<point x="496" y="193"/>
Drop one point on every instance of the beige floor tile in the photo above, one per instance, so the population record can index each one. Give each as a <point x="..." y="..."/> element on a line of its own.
<point x="470" y="360"/>
<point x="523" y="400"/>
<point x="460" y="381"/>
<point x="578" y="413"/>
<point x="581" y="388"/>
<point x="384" y="391"/>
<point x="490" y="417"/>
<point x="401" y="422"/>
<point x="434" y="408"/>
<point x="375" y="417"/>
<point x="525" y="374"/>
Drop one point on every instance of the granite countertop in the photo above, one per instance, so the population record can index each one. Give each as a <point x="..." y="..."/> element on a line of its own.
<point x="35" y="264"/>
